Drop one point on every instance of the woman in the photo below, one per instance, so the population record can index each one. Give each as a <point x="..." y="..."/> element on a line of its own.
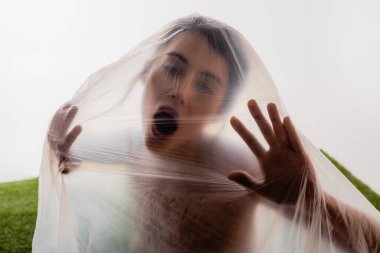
<point x="171" y="175"/>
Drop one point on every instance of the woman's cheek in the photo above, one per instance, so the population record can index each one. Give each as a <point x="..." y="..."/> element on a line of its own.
<point x="204" y="107"/>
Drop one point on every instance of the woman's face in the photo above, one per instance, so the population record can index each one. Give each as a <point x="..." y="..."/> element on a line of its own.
<point x="185" y="87"/>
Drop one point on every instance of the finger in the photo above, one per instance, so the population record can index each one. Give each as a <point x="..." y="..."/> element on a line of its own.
<point x="64" y="169"/>
<point x="69" y="119"/>
<point x="73" y="135"/>
<point x="57" y="128"/>
<point x="69" y="139"/>
<point x="278" y="127"/>
<point x="61" y="113"/>
<point x="62" y="159"/>
<point x="247" y="136"/>
<point x="263" y="124"/>
<point x="54" y="137"/>
<point x="294" y="140"/>
<point x="244" y="179"/>
<point x="69" y="164"/>
<point x="66" y="106"/>
<point x="62" y="166"/>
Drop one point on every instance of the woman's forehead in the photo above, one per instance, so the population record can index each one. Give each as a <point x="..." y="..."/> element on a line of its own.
<point x="193" y="44"/>
<point x="194" y="50"/>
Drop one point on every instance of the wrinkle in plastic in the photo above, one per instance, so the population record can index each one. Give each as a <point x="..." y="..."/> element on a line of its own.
<point x="149" y="170"/>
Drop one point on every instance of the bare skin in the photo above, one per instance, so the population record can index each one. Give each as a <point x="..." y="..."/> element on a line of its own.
<point x="59" y="140"/>
<point x="286" y="153"/>
<point x="189" y="77"/>
<point x="287" y="169"/>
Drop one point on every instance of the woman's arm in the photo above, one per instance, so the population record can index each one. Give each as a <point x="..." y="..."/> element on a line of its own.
<point x="289" y="178"/>
<point x="351" y="227"/>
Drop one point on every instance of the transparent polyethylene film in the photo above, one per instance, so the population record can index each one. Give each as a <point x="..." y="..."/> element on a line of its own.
<point x="184" y="145"/>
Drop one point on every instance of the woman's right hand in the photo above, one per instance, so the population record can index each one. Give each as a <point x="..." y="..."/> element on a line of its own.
<point x="59" y="140"/>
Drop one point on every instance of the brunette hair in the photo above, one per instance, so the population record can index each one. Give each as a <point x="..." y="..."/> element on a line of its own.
<point x="222" y="38"/>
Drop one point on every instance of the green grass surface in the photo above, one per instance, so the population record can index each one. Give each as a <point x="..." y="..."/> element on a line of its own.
<point x="18" y="210"/>
<point x="371" y="195"/>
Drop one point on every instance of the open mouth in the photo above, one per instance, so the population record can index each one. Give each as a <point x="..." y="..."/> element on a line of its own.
<point x="164" y="122"/>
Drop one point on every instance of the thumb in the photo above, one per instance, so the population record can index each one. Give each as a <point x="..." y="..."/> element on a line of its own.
<point x="244" y="179"/>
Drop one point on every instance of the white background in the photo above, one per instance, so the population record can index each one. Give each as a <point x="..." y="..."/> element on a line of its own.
<point x="324" y="56"/>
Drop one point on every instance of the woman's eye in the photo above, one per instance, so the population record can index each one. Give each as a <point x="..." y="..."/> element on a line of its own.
<point x="204" y="88"/>
<point x="172" y="70"/>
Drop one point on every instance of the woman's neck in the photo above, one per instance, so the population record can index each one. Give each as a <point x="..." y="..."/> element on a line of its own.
<point x="189" y="151"/>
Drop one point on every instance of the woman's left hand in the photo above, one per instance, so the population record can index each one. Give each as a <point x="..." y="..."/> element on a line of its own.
<point x="287" y="171"/>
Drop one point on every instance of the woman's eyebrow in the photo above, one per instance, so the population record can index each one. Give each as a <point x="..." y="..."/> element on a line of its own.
<point x="178" y="56"/>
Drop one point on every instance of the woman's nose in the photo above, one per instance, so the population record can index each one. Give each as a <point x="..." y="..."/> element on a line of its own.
<point x="178" y="98"/>
<point x="178" y="95"/>
<point x="182" y="91"/>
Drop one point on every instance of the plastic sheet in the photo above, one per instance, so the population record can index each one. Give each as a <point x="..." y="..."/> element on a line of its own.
<point x="160" y="152"/>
